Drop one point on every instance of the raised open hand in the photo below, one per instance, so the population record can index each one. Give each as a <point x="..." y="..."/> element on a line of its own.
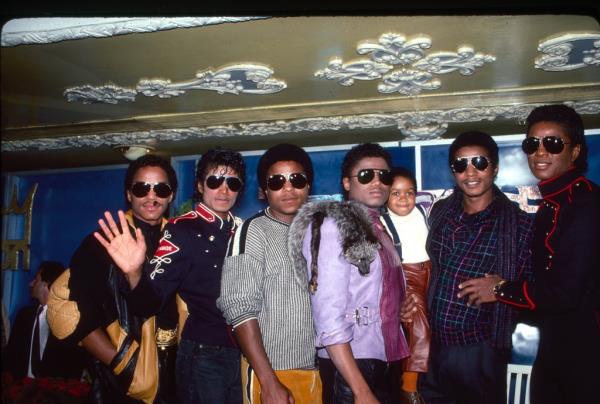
<point x="126" y="251"/>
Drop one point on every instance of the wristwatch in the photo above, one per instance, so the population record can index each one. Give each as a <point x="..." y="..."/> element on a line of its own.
<point x="498" y="286"/>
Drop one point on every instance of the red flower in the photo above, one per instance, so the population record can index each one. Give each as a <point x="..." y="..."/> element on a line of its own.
<point x="44" y="390"/>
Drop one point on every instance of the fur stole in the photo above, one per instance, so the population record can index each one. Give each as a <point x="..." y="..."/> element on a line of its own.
<point x="359" y="244"/>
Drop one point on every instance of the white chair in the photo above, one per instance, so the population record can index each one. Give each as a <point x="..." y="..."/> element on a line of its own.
<point x="518" y="371"/>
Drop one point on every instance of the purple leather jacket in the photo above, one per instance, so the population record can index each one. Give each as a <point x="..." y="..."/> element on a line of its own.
<point x="346" y="304"/>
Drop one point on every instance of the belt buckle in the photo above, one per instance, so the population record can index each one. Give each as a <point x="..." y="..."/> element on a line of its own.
<point x="362" y="315"/>
<point x="166" y="338"/>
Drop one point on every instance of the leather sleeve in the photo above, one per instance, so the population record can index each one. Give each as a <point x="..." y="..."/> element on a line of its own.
<point x="77" y="301"/>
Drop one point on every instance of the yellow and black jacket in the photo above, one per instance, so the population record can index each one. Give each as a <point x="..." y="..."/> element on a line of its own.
<point x="91" y="295"/>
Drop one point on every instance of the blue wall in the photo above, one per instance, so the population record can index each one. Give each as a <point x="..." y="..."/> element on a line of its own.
<point x="66" y="207"/>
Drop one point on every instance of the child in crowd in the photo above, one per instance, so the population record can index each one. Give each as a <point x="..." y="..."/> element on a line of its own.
<point x="407" y="224"/>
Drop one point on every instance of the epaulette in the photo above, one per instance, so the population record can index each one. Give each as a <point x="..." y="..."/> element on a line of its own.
<point x="190" y="215"/>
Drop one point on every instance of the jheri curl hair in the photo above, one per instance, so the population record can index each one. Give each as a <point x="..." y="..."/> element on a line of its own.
<point x="474" y="138"/>
<point x="150" y="160"/>
<point x="218" y="157"/>
<point x="359" y="152"/>
<point x="283" y="152"/>
<point x="570" y="121"/>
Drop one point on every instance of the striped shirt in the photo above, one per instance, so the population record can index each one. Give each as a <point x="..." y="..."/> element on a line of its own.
<point x="259" y="283"/>
<point x="465" y="248"/>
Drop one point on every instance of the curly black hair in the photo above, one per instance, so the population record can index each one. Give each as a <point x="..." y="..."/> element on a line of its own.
<point x="570" y="121"/>
<point x="218" y="157"/>
<point x="150" y="160"/>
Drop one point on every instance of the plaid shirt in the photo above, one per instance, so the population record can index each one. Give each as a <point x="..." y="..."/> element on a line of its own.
<point x="465" y="247"/>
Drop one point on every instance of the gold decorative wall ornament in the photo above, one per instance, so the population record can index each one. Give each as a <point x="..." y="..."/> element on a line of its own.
<point x="11" y="249"/>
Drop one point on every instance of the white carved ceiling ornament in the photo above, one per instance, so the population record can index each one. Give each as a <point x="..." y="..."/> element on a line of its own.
<point x="247" y="78"/>
<point x="402" y="64"/>
<point x="107" y="94"/>
<point x="415" y="125"/>
<point x="24" y="31"/>
<point x="570" y="51"/>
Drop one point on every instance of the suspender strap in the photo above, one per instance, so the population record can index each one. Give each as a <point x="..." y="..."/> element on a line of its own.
<point x="393" y="232"/>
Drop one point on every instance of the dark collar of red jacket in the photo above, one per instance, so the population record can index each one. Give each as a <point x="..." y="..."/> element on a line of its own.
<point x="554" y="186"/>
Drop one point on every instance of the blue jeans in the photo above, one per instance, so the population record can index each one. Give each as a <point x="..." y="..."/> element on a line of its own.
<point x="208" y="374"/>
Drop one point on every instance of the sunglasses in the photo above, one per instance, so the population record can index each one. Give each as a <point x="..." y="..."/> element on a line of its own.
<point x="141" y="189"/>
<point x="459" y="165"/>
<point x="233" y="183"/>
<point x="552" y="144"/>
<point x="276" y="181"/>
<point x="368" y="174"/>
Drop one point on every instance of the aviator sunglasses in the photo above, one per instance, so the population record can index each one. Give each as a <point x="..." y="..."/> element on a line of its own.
<point x="552" y="144"/>
<point x="233" y="183"/>
<point x="459" y="165"/>
<point x="276" y="181"/>
<point x="141" y="189"/>
<point x="367" y="175"/>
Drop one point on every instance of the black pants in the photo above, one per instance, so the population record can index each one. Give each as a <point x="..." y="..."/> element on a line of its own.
<point x="167" y="394"/>
<point x="469" y="374"/>
<point x="382" y="378"/>
<point x="567" y="367"/>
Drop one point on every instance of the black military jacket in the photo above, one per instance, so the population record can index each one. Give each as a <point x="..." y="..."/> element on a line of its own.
<point x="189" y="261"/>
<point x="566" y="250"/>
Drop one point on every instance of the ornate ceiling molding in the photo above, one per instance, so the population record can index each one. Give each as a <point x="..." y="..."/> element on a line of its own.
<point x="107" y="94"/>
<point x="395" y="49"/>
<point x="248" y="78"/>
<point x="414" y="125"/>
<point x="25" y="31"/>
<point x="570" y="51"/>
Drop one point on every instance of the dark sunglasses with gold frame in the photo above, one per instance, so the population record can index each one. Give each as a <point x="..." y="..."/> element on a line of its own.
<point x="552" y="144"/>
<point x="367" y="175"/>
<point x="277" y="181"/>
<point x="233" y="182"/>
<point x="460" y="164"/>
<point x="141" y="189"/>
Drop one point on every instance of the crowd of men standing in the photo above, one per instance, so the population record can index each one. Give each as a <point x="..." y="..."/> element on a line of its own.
<point x="330" y="301"/>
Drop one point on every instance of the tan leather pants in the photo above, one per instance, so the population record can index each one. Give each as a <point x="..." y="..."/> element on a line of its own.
<point x="417" y="333"/>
